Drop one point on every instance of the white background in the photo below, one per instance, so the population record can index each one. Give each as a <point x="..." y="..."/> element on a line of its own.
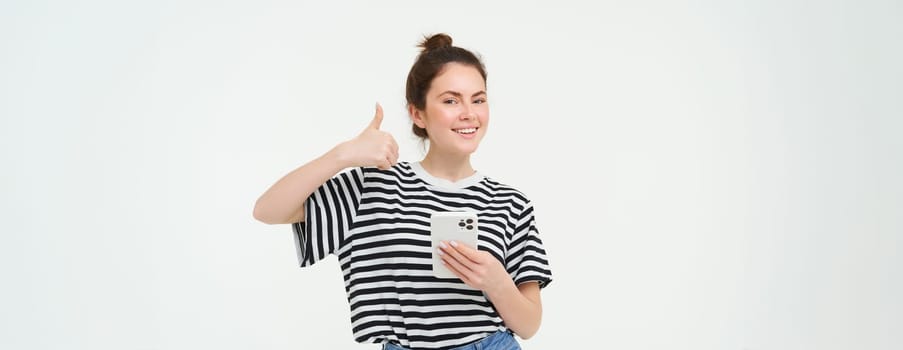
<point x="706" y="175"/>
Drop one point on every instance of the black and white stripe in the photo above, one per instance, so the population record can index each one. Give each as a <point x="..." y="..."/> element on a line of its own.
<point x="377" y="223"/>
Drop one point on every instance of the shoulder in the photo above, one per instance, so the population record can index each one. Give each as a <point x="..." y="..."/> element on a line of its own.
<point x="505" y="189"/>
<point x="401" y="172"/>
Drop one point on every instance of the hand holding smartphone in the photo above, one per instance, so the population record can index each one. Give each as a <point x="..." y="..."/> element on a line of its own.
<point x="459" y="226"/>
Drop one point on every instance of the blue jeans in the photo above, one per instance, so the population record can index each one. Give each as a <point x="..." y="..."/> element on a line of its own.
<point x="501" y="340"/>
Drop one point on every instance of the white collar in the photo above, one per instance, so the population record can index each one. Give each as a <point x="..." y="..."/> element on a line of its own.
<point x="443" y="183"/>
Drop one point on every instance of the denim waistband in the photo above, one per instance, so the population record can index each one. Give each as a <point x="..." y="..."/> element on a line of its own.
<point x="501" y="340"/>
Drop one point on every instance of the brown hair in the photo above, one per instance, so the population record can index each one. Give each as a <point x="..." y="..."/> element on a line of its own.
<point x="437" y="51"/>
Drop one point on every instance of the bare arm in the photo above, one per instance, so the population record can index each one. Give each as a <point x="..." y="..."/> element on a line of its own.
<point x="283" y="202"/>
<point x="519" y="306"/>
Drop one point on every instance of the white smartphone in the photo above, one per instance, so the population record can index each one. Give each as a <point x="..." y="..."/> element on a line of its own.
<point x="460" y="226"/>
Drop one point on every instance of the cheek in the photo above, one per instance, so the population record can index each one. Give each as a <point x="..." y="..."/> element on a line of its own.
<point x="483" y="112"/>
<point x="442" y="118"/>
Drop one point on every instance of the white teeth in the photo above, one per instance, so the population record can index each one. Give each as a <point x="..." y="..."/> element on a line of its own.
<point x="466" y="131"/>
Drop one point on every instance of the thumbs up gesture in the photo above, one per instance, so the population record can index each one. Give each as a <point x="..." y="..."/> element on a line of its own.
<point x="372" y="147"/>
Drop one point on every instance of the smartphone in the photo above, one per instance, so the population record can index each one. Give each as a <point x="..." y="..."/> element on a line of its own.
<point x="459" y="226"/>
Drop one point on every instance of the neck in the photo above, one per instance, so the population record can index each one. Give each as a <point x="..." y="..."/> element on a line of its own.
<point x="446" y="166"/>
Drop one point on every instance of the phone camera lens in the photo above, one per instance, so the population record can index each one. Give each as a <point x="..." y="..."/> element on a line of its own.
<point x="470" y="227"/>
<point x="469" y="221"/>
<point x="461" y="224"/>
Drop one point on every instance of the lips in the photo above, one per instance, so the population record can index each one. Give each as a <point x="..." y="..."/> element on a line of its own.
<point x="466" y="131"/>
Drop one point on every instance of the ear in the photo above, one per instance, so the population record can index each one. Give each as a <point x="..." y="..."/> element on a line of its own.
<point x="416" y="116"/>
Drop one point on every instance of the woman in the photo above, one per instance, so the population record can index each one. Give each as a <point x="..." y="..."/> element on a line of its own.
<point x="376" y="218"/>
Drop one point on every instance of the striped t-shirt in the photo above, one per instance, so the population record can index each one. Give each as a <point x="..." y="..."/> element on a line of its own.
<point x="378" y="224"/>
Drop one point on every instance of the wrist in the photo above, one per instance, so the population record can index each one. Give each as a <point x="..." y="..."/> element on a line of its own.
<point x="339" y="156"/>
<point x="500" y="291"/>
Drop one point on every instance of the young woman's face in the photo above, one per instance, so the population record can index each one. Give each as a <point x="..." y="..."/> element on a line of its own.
<point x="457" y="112"/>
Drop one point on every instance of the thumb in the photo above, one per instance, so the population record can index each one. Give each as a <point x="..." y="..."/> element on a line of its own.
<point x="378" y="118"/>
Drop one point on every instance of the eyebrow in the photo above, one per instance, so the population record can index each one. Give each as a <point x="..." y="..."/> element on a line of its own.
<point x="458" y="94"/>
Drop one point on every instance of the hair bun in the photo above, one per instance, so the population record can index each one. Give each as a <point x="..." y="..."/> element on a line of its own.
<point x="436" y="41"/>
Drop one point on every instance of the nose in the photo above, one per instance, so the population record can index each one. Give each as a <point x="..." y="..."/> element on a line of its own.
<point x="468" y="113"/>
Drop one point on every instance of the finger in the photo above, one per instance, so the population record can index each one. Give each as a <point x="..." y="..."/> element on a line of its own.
<point x="391" y="155"/>
<point x="377" y="119"/>
<point x="392" y="141"/>
<point x="383" y="164"/>
<point x="455" y="271"/>
<point x="390" y="160"/>
<point x="457" y="266"/>
<point x="466" y="251"/>
<point x="394" y="147"/>
<point x="453" y="248"/>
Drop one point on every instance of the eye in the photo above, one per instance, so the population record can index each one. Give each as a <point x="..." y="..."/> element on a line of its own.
<point x="449" y="101"/>
<point x="480" y="101"/>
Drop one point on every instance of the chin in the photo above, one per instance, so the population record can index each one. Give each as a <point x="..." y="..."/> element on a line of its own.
<point x="469" y="150"/>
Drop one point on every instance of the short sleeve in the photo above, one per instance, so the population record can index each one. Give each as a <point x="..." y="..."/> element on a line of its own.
<point x="526" y="260"/>
<point x="328" y="215"/>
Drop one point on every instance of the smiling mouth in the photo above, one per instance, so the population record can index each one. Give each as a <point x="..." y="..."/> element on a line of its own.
<point x="466" y="131"/>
